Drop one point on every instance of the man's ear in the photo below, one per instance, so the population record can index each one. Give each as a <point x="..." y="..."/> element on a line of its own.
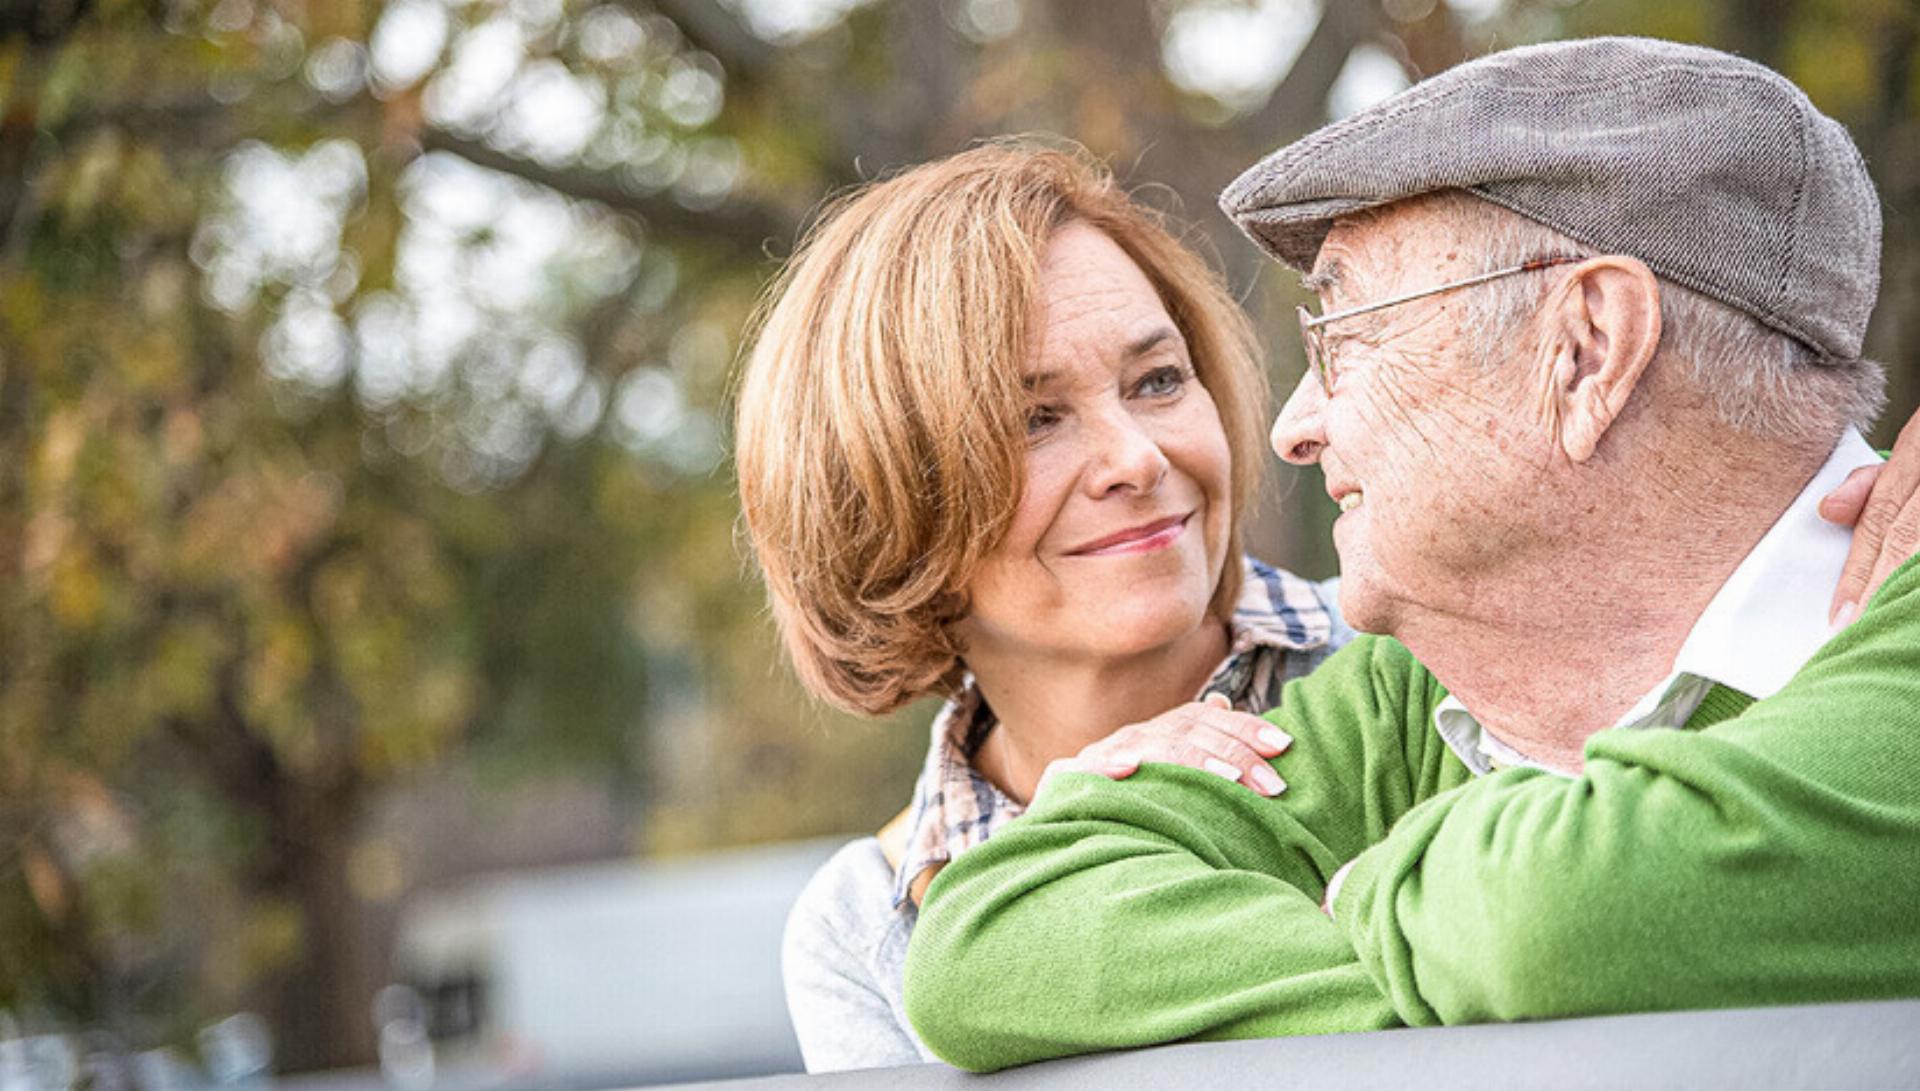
<point x="1604" y="328"/>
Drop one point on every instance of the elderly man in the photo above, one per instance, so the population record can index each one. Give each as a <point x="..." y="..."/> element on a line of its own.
<point x="1590" y="354"/>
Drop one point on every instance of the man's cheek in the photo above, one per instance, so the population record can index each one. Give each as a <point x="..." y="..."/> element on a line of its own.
<point x="1401" y="419"/>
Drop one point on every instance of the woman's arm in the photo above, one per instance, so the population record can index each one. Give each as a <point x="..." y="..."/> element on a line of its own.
<point x="841" y="938"/>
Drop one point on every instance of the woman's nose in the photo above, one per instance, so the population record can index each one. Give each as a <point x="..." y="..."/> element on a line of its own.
<point x="1125" y="456"/>
<point x="1299" y="432"/>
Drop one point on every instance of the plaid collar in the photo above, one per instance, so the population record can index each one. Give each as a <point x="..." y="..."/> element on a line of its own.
<point x="955" y="808"/>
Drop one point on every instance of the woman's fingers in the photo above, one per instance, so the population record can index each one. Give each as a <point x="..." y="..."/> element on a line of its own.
<point x="1846" y="506"/>
<point x="1207" y="735"/>
<point x="1843" y="505"/>
<point x="1231" y="758"/>
<point x="1214" y="752"/>
<point x="1257" y="734"/>
<point x="1882" y="504"/>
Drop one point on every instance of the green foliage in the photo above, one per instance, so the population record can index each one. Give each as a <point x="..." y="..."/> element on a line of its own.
<point x="245" y="594"/>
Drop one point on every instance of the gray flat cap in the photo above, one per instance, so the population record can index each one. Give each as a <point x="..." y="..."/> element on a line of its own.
<point x="1715" y="171"/>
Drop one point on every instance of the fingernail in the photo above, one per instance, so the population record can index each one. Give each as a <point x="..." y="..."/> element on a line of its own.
<point x="1224" y="769"/>
<point x="1268" y="780"/>
<point x="1124" y="761"/>
<point x="1275" y="738"/>
<point x="1845" y="615"/>
<point x="1218" y="700"/>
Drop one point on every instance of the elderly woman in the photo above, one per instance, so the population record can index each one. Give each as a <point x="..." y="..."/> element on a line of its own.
<point x="994" y="439"/>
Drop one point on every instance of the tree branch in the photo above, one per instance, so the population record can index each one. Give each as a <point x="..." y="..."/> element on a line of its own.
<point x="743" y="225"/>
<point x="709" y="26"/>
<point x="1299" y="104"/>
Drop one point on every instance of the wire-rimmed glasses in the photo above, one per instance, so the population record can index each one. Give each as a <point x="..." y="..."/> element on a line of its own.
<point x="1311" y="324"/>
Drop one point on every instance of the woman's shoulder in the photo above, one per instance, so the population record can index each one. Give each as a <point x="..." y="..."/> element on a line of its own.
<point x="1279" y="608"/>
<point x="848" y="903"/>
<point x="843" y="960"/>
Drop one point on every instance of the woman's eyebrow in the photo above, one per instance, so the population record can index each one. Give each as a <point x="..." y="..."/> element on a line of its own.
<point x="1147" y="342"/>
<point x="1136" y="348"/>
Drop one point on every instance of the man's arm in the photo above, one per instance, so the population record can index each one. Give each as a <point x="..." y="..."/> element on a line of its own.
<point x="1175" y="904"/>
<point x="1771" y="858"/>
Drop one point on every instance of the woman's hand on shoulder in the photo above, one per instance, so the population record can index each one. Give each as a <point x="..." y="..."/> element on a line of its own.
<point x="1882" y="505"/>
<point x="1205" y="735"/>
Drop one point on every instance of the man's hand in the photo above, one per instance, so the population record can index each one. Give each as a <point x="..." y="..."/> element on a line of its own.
<point x="1205" y="735"/>
<point x="1882" y="504"/>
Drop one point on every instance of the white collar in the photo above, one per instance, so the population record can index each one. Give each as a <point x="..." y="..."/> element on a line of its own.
<point x="1760" y="628"/>
<point x="1770" y="616"/>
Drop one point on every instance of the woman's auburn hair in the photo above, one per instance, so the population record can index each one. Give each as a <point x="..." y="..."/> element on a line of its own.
<point x="880" y="433"/>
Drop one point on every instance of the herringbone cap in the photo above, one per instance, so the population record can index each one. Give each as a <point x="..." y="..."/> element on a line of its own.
<point x="1715" y="171"/>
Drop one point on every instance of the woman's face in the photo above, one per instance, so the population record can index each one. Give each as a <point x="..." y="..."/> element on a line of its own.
<point x="1119" y="538"/>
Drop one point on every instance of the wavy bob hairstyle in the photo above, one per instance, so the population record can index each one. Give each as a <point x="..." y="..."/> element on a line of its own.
<point x="881" y="424"/>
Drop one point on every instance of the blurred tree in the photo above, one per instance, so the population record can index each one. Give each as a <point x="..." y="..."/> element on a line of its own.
<point x="361" y="371"/>
<point x="254" y="577"/>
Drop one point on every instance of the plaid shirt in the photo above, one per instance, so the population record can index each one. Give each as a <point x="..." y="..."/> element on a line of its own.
<point x="1282" y="628"/>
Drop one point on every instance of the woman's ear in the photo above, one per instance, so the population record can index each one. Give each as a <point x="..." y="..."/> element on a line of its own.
<point x="1604" y="322"/>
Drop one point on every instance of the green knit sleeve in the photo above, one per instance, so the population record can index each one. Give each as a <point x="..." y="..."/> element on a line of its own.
<point x="1175" y="904"/>
<point x="1772" y="858"/>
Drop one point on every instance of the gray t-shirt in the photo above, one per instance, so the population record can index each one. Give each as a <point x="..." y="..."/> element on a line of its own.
<point x="844" y="961"/>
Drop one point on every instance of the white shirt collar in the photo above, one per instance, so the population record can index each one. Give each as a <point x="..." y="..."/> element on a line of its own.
<point x="1764" y="623"/>
<point x="1770" y="616"/>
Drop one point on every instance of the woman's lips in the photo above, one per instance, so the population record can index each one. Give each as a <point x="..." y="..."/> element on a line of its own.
<point x="1144" y="538"/>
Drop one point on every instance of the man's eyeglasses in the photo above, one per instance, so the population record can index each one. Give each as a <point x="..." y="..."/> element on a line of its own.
<point x="1310" y="324"/>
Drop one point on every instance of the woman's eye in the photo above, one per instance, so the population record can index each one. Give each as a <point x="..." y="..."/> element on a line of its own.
<point x="1040" y="418"/>
<point x="1162" y="381"/>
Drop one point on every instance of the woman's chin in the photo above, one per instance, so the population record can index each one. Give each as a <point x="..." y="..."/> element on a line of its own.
<point x="1129" y="633"/>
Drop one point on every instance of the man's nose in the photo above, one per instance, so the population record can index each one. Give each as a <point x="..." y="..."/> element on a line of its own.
<point x="1125" y="456"/>
<point x="1299" y="432"/>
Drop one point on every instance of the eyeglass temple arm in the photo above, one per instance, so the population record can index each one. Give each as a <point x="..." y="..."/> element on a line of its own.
<point x="1523" y="267"/>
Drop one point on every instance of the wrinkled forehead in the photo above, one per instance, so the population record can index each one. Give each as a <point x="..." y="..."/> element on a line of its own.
<point x="1368" y="252"/>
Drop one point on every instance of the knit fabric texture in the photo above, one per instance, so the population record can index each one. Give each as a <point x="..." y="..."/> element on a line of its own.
<point x="1769" y="857"/>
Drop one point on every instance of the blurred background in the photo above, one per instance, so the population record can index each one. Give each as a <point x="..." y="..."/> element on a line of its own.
<point x="380" y="678"/>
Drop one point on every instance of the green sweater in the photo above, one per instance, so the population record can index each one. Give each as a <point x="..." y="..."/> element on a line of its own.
<point x="1771" y="857"/>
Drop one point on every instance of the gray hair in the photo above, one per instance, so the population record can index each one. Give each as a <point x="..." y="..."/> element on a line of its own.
<point x="1759" y="381"/>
